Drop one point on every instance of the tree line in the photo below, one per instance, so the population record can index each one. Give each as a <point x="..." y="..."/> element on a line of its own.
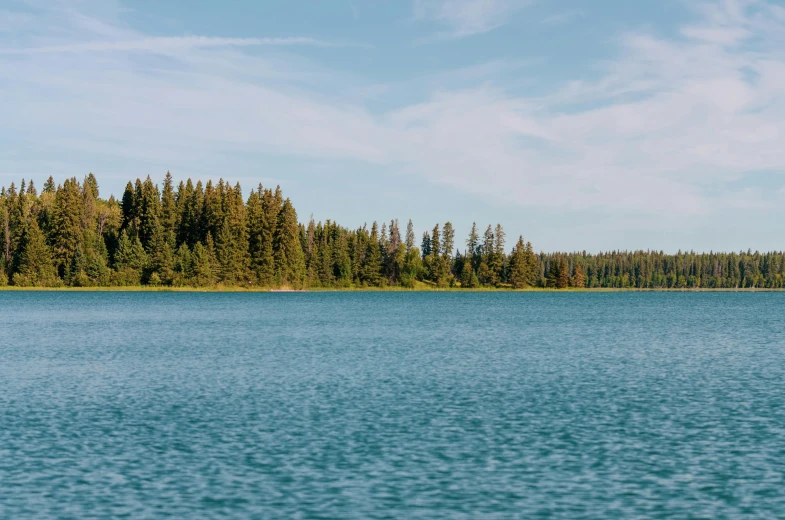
<point x="202" y="235"/>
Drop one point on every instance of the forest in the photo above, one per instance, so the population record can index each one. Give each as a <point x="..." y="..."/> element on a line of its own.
<point x="205" y="236"/>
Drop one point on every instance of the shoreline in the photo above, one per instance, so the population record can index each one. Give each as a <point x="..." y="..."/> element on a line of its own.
<point x="220" y="289"/>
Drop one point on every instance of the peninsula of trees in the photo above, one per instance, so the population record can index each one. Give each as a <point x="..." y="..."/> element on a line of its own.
<point x="195" y="235"/>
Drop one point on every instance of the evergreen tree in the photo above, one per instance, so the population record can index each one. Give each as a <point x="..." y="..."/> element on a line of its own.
<point x="67" y="222"/>
<point x="409" y="236"/>
<point x="521" y="272"/>
<point x="35" y="266"/>
<point x="448" y="243"/>
<point x="289" y="262"/>
<point x="563" y="278"/>
<point x="169" y="212"/>
<point x="578" y="280"/>
<point x="130" y="260"/>
<point x="372" y="261"/>
<point x="473" y="248"/>
<point x="203" y="266"/>
<point x="553" y="272"/>
<point x="468" y="276"/>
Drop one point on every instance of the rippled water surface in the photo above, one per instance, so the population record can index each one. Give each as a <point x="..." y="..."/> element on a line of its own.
<point x="392" y="405"/>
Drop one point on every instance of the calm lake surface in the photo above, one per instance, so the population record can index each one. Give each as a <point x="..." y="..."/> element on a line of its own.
<point x="392" y="405"/>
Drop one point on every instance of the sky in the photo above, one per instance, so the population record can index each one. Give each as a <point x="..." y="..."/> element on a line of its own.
<point x="581" y="125"/>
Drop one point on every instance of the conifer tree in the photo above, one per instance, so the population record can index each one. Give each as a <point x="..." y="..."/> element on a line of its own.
<point x="49" y="186"/>
<point x="553" y="272"/>
<point x="521" y="272"/>
<point x="128" y="206"/>
<point x="203" y="265"/>
<point x="563" y="277"/>
<point x="409" y="236"/>
<point x="168" y="218"/>
<point x="433" y="261"/>
<point x="578" y="280"/>
<point x="67" y="223"/>
<point x="342" y="262"/>
<point x="183" y="266"/>
<point x="496" y="264"/>
<point x="473" y="249"/>
<point x="448" y="243"/>
<point x="396" y="254"/>
<point x="372" y="261"/>
<point x="264" y="255"/>
<point x="468" y="276"/>
<point x="289" y="262"/>
<point x="130" y="260"/>
<point x="35" y="266"/>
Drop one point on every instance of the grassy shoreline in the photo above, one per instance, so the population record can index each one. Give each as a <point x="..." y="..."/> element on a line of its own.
<point x="423" y="288"/>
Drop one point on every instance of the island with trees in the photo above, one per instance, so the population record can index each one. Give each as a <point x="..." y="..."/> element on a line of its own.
<point x="211" y="236"/>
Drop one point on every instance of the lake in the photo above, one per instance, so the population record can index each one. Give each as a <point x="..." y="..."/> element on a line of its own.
<point x="392" y="405"/>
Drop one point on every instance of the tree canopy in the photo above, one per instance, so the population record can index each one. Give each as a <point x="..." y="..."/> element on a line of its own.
<point x="200" y="235"/>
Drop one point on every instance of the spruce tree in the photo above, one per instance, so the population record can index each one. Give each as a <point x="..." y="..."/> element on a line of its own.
<point x="289" y="261"/>
<point x="372" y="261"/>
<point x="468" y="276"/>
<point x="578" y="280"/>
<point x="563" y="277"/>
<point x="448" y="243"/>
<point x="473" y="249"/>
<point x="168" y="218"/>
<point x="203" y="266"/>
<point x="553" y="272"/>
<point x="68" y="214"/>
<point x="409" y="236"/>
<point x="35" y="265"/>
<point x="520" y="275"/>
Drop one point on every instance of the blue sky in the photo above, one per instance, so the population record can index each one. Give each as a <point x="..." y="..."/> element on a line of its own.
<point x="591" y="125"/>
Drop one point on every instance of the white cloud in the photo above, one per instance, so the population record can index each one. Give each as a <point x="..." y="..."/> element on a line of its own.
<point x="467" y="17"/>
<point x="562" y="17"/>
<point x="668" y="124"/>
<point x="163" y="45"/>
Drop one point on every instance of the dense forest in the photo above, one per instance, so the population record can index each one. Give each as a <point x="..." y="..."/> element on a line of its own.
<point x="195" y="235"/>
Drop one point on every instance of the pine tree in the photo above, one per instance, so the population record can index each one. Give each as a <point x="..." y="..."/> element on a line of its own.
<point x="263" y="253"/>
<point x="35" y="263"/>
<point x="396" y="254"/>
<point x="128" y="206"/>
<point x="553" y="272"/>
<point x="521" y="274"/>
<point x="473" y="249"/>
<point x="578" y="280"/>
<point x="289" y="261"/>
<point x="409" y="236"/>
<point x="372" y="261"/>
<point x="168" y="218"/>
<point x="448" y="243"/>
<point x="67" y="223"/>
<point x="496" y="265"/>
<point x="563" y="277"/>
<point x="433" y="262"/>
<point x="468" y="276"/>
<point x="203" y="265"/>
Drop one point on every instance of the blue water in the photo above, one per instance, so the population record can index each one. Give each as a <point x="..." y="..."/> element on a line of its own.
<point x="392" y="405"/>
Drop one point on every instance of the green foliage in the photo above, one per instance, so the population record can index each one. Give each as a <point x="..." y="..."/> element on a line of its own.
<point x="288" y="252"/>
<point x="35" y="266"/>
<point x="522" y="265"/>
<point x="202" y="236"/>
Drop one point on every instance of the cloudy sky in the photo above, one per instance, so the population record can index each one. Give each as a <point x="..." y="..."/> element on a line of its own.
<point x="602" y="124"/>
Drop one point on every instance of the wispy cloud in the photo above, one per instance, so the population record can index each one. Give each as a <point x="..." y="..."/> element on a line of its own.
<point x="467" y="17"/>
<point x="668" y="121"/>
<point x="562" y="17"/>
<point x="164" y="45"/>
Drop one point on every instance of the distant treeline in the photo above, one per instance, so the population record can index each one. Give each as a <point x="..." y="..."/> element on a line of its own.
<point x="203" y="235"/>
